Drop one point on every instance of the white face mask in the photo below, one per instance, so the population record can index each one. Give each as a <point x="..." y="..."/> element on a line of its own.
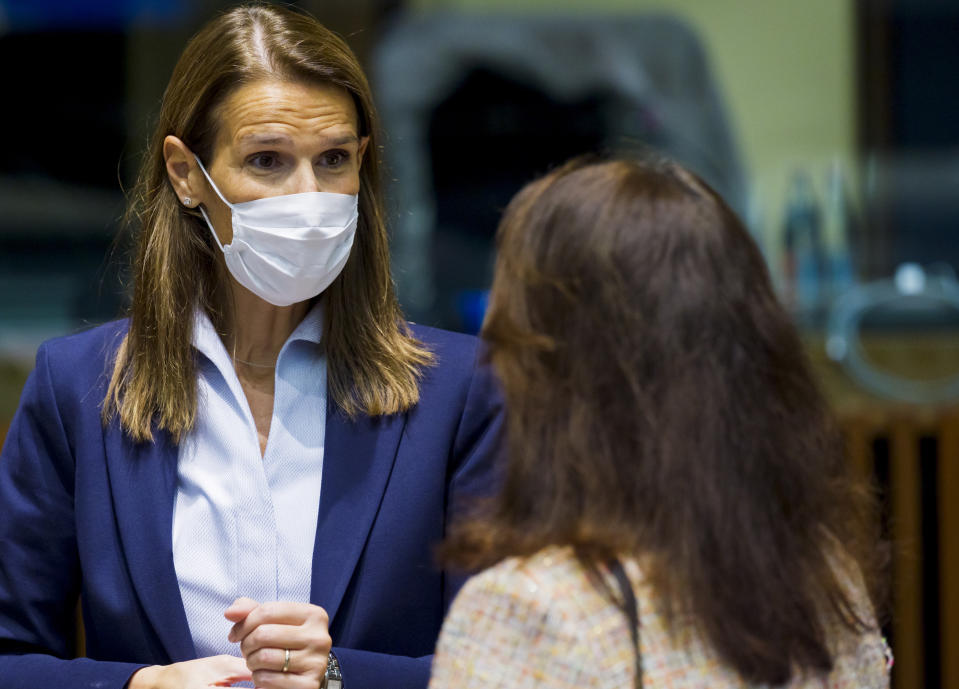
<point x="288" y="249"/>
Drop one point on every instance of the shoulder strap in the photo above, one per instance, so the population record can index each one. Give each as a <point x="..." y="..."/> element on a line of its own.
<point x="631" y="611"/>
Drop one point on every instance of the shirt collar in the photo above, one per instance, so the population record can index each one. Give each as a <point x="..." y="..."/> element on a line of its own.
<point x="310" y="328"/>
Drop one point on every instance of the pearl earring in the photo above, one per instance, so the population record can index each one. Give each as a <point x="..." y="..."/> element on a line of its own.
<point x="187" y="201"/>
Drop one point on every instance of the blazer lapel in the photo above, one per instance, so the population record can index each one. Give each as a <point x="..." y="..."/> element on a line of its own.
<point x="357" y="461"/>
<point x="143" y="486"/>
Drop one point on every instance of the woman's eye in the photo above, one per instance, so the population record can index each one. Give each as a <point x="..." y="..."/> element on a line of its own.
<point x="335" y="158"/>
<point x="263" y="161"/>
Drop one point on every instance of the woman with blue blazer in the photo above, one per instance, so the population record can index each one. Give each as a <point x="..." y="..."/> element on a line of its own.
<point x="244" y="480"/>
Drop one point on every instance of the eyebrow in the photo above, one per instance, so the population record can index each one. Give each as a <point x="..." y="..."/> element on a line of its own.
<point x="344" y="140"/>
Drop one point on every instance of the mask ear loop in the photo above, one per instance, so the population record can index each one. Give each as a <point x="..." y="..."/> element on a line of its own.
<point x="203" y="210"/>
<point x="217" y="239"/>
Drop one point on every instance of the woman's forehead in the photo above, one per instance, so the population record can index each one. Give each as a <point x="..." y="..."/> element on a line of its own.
<point x="278" y="108"/>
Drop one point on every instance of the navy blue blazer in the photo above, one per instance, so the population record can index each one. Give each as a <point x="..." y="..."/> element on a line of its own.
<point x="85" y="511"/>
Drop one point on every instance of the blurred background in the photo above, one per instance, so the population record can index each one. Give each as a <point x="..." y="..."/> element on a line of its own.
<point x="831" y="127"/>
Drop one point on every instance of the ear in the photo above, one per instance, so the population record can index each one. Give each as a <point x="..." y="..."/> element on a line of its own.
<point x="364" y="142"/>
<point x="183" y="172"/>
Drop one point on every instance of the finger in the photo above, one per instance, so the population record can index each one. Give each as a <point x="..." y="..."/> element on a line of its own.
<point x="268" y="613"/>
<point x="239" y="609"/>
<point x="270" y="679"/>
<point x="284" y="636"/>
<point x="301" y="660"/>
<point x="279" y="612"/>
<point x="228" y="670"/>
<point x="225" y="664"/>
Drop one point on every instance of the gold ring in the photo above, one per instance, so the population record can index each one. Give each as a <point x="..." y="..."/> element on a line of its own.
<point x="286" y="661"/>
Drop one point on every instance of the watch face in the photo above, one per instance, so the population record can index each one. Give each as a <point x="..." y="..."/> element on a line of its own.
<point x="334" y="684"/>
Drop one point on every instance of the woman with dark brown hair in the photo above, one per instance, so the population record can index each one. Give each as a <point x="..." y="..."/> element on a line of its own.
<point x="676" y="509"/>
<point x="245" y="479"/>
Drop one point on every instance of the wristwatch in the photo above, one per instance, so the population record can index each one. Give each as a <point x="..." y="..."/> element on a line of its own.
<point x="333" y="678"/>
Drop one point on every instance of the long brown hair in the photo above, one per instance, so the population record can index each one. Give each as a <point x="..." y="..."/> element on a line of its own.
<point x="374" y="363"/>
<point x="660" y="405"/>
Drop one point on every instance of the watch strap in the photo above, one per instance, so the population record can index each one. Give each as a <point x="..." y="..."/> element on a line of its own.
<point x="334" y="677"/>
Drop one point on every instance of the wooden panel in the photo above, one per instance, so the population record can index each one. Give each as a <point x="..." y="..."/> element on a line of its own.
<point x="948" y="487"/>
<point x="858" y="438"/>
<point x="906" y="525"/>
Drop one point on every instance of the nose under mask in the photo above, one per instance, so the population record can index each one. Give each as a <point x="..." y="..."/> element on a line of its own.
<point x="287" y="249"/>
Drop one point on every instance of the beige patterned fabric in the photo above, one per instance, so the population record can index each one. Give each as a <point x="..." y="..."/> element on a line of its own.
<point x="540" y="623"/>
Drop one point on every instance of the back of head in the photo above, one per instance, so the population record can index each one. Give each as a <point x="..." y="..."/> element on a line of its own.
<point x="629" y="269"/>
<point x="660" y="404"/>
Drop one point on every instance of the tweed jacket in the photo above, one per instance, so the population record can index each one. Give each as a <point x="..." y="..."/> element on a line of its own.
<point x="540" y="623"/>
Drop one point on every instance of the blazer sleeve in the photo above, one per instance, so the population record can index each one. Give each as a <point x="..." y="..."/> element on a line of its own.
<point x="369" y="670"/>
<point x="502" y="631"/>
<point x="472" y="474"/>
<point x="39" y="568"/>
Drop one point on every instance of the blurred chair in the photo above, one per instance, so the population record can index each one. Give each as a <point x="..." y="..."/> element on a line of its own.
<point x="915" y="303"/>
<point x="476" y="105"/>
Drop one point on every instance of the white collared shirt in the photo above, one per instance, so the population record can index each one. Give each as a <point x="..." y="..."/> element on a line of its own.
<point x="245" y="524"/>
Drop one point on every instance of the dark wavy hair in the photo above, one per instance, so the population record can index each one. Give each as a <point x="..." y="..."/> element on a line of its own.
<point x="660" y="405"/>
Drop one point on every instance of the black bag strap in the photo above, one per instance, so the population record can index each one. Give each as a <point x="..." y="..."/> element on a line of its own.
<point x="630" y="609"/>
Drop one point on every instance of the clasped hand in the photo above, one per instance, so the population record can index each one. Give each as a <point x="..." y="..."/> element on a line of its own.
<point x="265" y="632"/>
